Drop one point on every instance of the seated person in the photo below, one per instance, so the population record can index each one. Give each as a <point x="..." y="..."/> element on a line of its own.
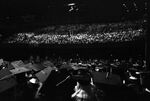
<point x="85" y="90"/>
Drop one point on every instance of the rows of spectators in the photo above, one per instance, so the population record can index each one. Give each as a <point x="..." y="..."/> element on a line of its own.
<point x="81" y="34"/>
<point x="103" y="28"/>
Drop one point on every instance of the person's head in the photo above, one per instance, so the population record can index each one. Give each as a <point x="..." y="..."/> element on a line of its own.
<point x="84" y="82"/>
<point x="83" y="77"/>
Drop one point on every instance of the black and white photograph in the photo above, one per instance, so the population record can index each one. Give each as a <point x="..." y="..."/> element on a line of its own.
<point x="74" y="50"/>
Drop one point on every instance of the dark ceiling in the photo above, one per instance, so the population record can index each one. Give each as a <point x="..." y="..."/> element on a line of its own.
<point x="57" y="11"/>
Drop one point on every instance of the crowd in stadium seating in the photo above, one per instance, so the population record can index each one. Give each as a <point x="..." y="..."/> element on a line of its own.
<point x="81" y="34"/>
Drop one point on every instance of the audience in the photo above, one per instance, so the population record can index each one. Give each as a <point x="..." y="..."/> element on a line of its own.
<point x="82" y="34"/>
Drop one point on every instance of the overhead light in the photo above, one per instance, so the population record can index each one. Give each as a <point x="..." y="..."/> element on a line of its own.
<point x="73" y="7"/>
<point x="71" y="4"/>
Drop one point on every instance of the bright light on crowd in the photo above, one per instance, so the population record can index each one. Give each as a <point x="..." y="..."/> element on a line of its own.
<point x="81" y="34"/>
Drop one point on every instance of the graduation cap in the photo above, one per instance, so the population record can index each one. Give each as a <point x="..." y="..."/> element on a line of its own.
<point x="35" y="67"/>
<point x="6" y="80"/>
